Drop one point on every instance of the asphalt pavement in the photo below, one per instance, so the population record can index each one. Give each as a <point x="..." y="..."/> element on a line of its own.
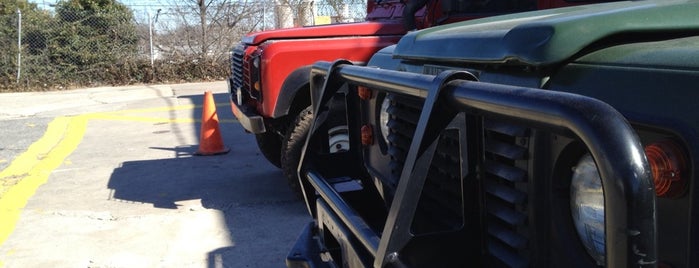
<point x="106" y="177"/>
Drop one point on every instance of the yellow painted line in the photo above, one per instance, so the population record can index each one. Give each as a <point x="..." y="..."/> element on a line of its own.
<point x="127" y="115"/>
<point x="165" y="108"/>
<point x="151" y="119"/>
<point x="35" y="165"/>
<point x="156" y="109"/>
<point x="63" y="135"/>
<point x="142" y="118"/>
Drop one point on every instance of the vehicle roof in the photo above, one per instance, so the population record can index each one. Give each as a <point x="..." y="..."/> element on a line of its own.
<point x="549" y="36"/>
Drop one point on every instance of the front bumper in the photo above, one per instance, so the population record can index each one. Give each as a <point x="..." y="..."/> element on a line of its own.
<point x="251" y="121"/>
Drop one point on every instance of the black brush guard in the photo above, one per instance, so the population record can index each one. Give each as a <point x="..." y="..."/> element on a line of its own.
<point x="630" y="219"/>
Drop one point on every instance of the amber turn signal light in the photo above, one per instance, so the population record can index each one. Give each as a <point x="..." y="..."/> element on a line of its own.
<point x="257" y="86"/>
<point x="669" y="167"/>
<point x="364" y="92"/>
<point x="367" y="133"/>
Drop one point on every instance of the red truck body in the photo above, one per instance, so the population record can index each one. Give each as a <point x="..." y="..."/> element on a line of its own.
<point x="282" y="57"/>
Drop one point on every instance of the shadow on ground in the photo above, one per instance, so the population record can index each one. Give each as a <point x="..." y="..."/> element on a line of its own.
<point x="262" y="215"/>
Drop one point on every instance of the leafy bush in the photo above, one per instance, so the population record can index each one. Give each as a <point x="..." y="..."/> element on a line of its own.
<point x="93" y="32"/>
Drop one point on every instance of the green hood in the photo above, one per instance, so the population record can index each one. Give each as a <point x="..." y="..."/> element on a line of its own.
<point x="549" y="36"/>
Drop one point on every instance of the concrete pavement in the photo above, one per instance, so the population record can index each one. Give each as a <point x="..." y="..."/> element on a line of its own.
<point x="109" y="180"/>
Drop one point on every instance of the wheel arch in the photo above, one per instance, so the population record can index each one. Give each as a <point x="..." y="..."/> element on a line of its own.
<point x="292" y="98"/>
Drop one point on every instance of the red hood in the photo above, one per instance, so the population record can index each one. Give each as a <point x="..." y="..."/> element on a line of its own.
<point x="325" y="31"/>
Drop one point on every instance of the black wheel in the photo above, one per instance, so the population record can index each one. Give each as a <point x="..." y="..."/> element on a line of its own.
<point x="292" y="144"/>
<point x="270" y="145"/>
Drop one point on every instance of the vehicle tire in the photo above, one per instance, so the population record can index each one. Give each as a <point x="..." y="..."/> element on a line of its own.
<point x="292" y="144"/>
<point x="270" y="145"/>
<point x="295" y="138"/>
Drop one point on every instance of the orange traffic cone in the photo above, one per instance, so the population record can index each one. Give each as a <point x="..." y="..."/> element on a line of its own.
<point x="210" y="141"/>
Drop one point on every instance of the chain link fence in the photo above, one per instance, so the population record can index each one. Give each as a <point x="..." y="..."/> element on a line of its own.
<point x="10" y="56"/>
<point x="68" y="46"/>
<point x="82" y="43"/>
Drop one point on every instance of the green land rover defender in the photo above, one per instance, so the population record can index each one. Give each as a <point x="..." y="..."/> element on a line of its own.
<point x="555" y="138"/>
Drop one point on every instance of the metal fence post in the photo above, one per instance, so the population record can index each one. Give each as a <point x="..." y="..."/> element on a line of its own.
<point x="150" y="36"/>
<point x="19" y="44"/>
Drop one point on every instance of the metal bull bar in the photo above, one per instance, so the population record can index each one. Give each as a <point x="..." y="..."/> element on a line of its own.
<point x="630" y="220"/>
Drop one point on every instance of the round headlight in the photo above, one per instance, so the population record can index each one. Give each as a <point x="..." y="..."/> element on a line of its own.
<point x="587" y="207"/>
<point x="384" y="116"/>
<point x="256" y="62"/>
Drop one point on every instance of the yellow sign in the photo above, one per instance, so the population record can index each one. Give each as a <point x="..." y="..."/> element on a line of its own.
<point x="321" y="20"/>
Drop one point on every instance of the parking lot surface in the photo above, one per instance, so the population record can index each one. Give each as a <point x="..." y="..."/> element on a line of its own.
<point x="107" y="178"/>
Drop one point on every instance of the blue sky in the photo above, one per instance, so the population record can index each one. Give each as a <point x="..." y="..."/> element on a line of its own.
<point x="139" y="7"/>
<point x="136" y="5"/>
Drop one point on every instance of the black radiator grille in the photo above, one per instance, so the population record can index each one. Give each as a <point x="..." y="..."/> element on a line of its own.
<point x="237" y="68"/>
<point x="240" y="70"/>
<point x="503" y="186"/>
<point x="405" y="113"/>
<point x="505" y="194"/>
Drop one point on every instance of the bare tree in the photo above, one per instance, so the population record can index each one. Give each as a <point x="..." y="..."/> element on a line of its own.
<point x="342" y="10"/>
<point x="208" y="28"/>
<point x="249" y="16"/>
<point x="294" y="13"/>
<point x="338" y="6"/>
